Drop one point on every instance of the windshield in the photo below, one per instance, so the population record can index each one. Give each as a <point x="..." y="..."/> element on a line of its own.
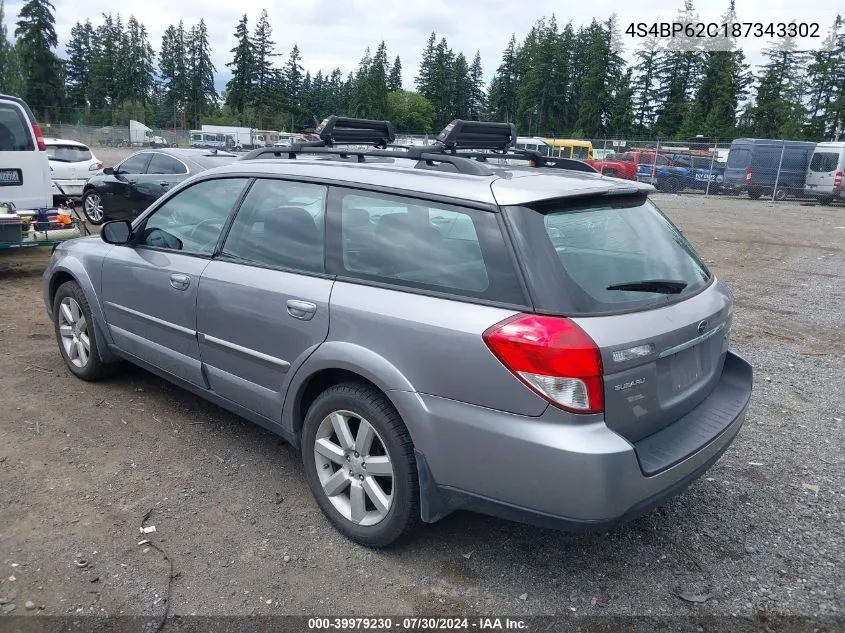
<point x="607" y="255"/>
<point x="69" y="153"/>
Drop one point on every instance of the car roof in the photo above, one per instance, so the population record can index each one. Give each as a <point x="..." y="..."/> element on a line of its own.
<point x="506" y="185"/>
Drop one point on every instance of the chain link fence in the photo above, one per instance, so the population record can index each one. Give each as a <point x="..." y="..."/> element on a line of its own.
<point x="770" y="169"/>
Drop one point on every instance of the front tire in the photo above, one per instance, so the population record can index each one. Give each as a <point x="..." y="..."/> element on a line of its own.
<point x="92" y="207"/>
<point x="359" y="462"/>
<point x="75" y="333"/>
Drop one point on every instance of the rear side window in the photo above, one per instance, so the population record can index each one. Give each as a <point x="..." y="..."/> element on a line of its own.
<point x="739" y="158"/>
<point x="423" y="245"/>
<point x="280" y="224"/>
<point x="166" y="165"/>
<point x="605" y="255"/>
<point x="69" y="153"/>
<point x="824" y="162"/>
<point x="15" y="132"/>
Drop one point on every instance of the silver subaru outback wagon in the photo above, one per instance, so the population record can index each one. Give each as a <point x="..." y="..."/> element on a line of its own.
<point x="463" y="325"/>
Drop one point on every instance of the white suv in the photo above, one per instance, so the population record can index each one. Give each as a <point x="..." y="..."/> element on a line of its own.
<point x="24" y="168"/>
<point x="71" y="165"/>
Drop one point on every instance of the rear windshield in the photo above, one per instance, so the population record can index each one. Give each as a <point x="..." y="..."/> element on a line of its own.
<point x="69" y="153"/>
<point x="607" y="255"/>
<point x="824" y="162"/>
<point x="739" y="158"/>
<point x="15" y="132"/>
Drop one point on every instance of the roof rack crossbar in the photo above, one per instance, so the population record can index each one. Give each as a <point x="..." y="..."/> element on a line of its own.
<point x="426" y="157"/>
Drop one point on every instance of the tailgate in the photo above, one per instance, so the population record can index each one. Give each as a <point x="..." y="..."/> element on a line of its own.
<point x="660" y="364"/>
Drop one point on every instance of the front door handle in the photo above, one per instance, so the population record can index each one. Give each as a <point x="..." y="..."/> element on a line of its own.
<point x="304" y="310"/>
<point x="180" y="281"/>
<point x="164" y="184"/>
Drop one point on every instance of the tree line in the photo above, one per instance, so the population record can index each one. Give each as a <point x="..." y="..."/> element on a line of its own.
<point x="560" y="80"/>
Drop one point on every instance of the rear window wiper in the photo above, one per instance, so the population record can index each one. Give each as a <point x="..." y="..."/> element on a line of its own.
<point x="664" y="286"/>
<point x="59" y="160"/>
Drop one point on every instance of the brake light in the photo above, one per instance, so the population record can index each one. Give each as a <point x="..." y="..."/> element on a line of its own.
<point x="837" y="180"/>
<point x="39" y="138"/>
<point x="748" y="175"/>
<point x="554" y="357"/>
<point x="96" y="167"/>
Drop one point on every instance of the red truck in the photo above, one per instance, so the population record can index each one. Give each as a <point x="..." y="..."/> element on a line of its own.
<point x="625" y="165"/>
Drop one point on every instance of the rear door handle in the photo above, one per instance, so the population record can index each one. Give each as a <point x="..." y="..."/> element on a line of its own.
<point x="180" y="281"/>
<point x="304" y="310"/>
<point x="164" y="184"/>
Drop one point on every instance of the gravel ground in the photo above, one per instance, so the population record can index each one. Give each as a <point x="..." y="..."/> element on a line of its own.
<point x="761" y="533"/>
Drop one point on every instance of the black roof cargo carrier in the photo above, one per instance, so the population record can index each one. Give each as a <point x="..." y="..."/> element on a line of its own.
<point x="469" y="146"/>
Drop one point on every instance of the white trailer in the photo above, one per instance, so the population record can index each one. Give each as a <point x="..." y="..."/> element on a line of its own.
<point x="238" y="138"/>
<point x="141" y="135"/>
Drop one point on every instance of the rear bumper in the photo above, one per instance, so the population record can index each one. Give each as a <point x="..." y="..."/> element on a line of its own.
<point x="70" y="188"/>
<point x="816" y="193"/>
<point x="575" y="477"/>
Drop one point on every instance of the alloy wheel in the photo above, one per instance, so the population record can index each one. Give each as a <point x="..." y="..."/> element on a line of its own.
<point x="354" y="468"/>
<point x="73" y="329"/>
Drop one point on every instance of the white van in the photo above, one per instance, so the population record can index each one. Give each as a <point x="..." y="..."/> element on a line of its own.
<point x="824" y="175"/>
<point x="24" y="168"/>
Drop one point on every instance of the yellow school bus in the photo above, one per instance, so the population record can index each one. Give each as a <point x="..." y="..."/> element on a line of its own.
<point x="570" y="148"/>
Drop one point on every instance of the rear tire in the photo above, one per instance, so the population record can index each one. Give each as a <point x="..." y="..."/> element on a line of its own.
<point x="780" y="194"/>
<point x="754" y="194"/>
<point x="610" y="173"/>
<point x="76" y="334"/>
<point x="372" y="509"/>
<point x="671" y="185"/>
<point x="826" y="201"/>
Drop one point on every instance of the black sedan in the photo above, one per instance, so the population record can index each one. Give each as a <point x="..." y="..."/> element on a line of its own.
<point x="123" y="191"/>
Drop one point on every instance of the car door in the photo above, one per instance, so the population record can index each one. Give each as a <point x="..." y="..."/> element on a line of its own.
<point x="149" y="287"/>
<point x="263" y="302"/>
<point x="118" y="194"/>
<point x="163" y="172"/>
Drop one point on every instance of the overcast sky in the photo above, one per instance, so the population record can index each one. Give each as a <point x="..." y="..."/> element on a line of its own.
<point x="332" y="33"/>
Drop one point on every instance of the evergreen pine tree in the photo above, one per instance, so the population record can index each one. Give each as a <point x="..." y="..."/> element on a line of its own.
<point x="394" y="79"/>
<point x="80" y="53"/>
<point x="477" y="97"/>
<point x="41" y="68"/>
<point x="239" y="87"/>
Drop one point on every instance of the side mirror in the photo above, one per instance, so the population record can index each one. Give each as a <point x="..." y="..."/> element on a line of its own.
<point x="116" y="232"/>
<point x="108" y="171"/>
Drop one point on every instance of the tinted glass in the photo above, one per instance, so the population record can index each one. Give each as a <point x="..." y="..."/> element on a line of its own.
<point x="136" y="164"/>
<point x="795" y="159"/>
<point x="824" y="162"/>
<point x="15" y="132"/>
<point x="595" y="245"/>
<point x="211" y="160"/>
<point x="426" y="245"/>
<point x="580" y="153"/>
<point x="163" y="164"/>
<point x="280" y="223"/>
<point x="192" y="220"/>
<point x="739" y="158"/>
<point x="69" y="153"/>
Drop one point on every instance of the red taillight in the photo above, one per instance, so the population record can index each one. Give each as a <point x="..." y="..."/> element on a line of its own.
<point x="96" y="167"/>
<point x="39" y="138"/>
<point x="837" y="180"/>
<point x="748" y="175"/>
<point x="554" y="357"/>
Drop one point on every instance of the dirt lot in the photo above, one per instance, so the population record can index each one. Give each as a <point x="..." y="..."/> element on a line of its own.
<point x="763" y="531"/>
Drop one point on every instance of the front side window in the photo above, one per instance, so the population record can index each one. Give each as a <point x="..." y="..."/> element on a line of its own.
<point x="136" y="164"/>
<point x="280" y="223"/>
<point x="580" y="153"/>
<point x="193" y="219"/>
<point x="425" y="245"/>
